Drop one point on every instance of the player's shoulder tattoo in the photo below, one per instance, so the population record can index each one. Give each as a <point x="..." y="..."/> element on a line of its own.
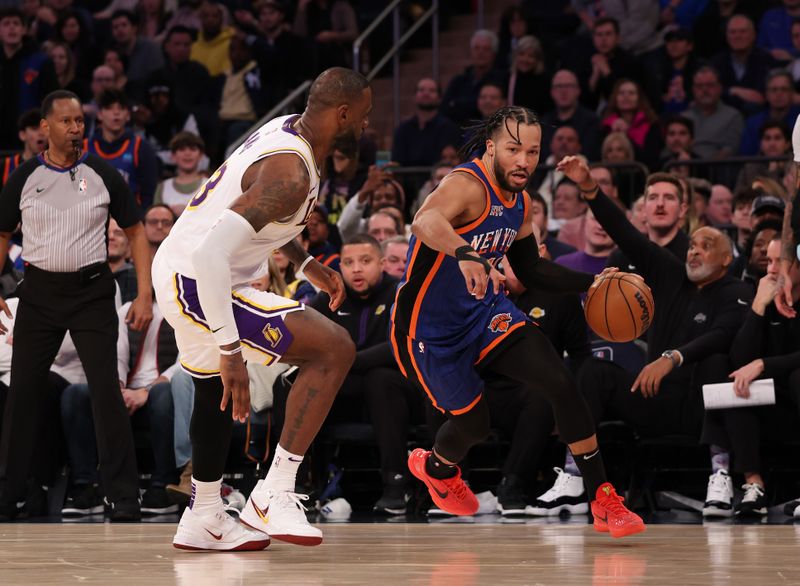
<point x="275" y="196"/>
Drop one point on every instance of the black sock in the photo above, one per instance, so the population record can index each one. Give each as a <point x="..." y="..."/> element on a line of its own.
<point x="438" y="469"/>
<point x="592" y="470"/>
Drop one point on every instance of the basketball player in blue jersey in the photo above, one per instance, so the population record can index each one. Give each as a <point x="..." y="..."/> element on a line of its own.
<point x="452" y="322"/>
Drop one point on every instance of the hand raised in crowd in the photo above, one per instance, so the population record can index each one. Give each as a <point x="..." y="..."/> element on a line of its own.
<point x="744" y="376"/>
<point x="650" y="377"/>
<point x="327" y="280"/>
<point x="375" y="178"/>
<point x="576" y="169"/>
<point x="600" y="65"/>
<point x="4" y="308"/>
<point x="236" y="386"/>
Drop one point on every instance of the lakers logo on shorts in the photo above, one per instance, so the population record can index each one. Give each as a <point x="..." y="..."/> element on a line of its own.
<point x="500" y="323"/>
<point x="272" y="335"/>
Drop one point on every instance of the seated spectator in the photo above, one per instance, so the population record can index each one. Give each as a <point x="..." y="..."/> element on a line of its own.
<point x="764" y="347"/>
<point x="780" y="106"/>
<point x="78" y="38"/>
<point x="296" y="288"/>
<point x="698" y="316"/>
<point x="103" y="78"/>
<point x="610" y="62"/>
<point x="331" y="26"/>
<point x="742" y="206"/>
<point x="153" y="18"/>
<point x="382" y="225"/>
<point x="529" y="81"/>
<point x="719" y="211"/>
<point x="636" y="215"/>
<point x="143" y="55"/>
<point x="678" y="67"/>
<point x="395" y="254"/>
<point x="742" y="66"/>
<point x="664" y="209"/>
<point x="282" y="55"/>
<point x="318" y="244"/>
<point x="539" y="213"/>
<point x="242" y="101"/>
<point x="159" y="118"/>
<point x="122" y="149"/>
<point x="767" y="207"/>
<point x="391" y="401"/>
<point x="186" y="150"/>
<point x="568" y="111"/>
<point x="717" y="126"/>
<point x="772" y="187"/>
<point x="419" y="140"/>
<point x="513" y="28"/>
<point x="212" y="47"/>
<point x="118" y="62"/>
<point x="29" y="72"/>
<point x="119" y="255"/>
<point x="65" y="68"/>
<point x="146" y="362"/>
<point x="629" y="112"/>
<point x="460" y="100"/>
<point x="678" y="146"/>
<point x="565" y="142"/>
<point x="491" y="97"/>
<point x="775" y="141"/>
<point x="438" y="173"/>
<point x="158" y="222"/>
<point x="752" y="264"/>
<point x="378" y="191"/>
<point x="567" y="204"/>
<point x="33" y="142"/>
<point x="340" y="181"/>
<point x="618" y="149"/>
<point x="774" y="30"/>
<point x="607" y="181"/>
<point x="598" y="246"/>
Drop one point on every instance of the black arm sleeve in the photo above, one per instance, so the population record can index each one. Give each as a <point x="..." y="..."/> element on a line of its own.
<point x="781" y="366"/>
<point x="10" y="214"/>
<point x="749" y="341"/>
<point x="536" y="272"/>
<point x="653" y="260"/>
<point x="123" y="206"/>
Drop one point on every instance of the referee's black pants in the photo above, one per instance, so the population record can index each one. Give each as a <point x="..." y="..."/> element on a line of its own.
<point x="50" y="304"/>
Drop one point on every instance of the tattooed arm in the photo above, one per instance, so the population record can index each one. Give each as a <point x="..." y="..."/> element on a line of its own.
<point x="322" y="277"/>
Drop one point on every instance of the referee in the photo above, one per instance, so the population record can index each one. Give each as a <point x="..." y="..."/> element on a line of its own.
<point x="64" y="199"/>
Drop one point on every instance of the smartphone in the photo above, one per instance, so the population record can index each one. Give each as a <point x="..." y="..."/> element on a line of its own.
<point x="383" y="158"/>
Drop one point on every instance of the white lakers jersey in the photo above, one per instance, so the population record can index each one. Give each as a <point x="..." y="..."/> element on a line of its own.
<point x="223" y="188"/>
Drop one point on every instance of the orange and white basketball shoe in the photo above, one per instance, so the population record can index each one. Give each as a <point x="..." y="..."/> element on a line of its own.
<point x="611" y="516"/>
<point x="450" y="494"/>
<point x="217" y="532"/>
<point x="281" y="515"/>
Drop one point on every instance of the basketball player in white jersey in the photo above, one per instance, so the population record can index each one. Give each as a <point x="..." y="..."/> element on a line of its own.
<point x="257" y="201"/>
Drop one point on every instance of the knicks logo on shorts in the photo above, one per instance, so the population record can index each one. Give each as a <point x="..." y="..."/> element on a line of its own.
<point x="272" y="335"/>
<point x="500" y="323"/>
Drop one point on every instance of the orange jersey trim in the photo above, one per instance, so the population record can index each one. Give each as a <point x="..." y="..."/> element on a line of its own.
<point x="421" y="295"/>
<point x="476" y="222"/>
<point x="496" y="341"/>
<point x="397" y="351"/>
<point x="111" y="155"/>
<point x="468" y="407"/>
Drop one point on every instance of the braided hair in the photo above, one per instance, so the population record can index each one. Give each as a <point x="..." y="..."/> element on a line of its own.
<point x="509" y="116"/>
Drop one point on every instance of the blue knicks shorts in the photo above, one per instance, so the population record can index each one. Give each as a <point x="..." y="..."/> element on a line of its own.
<point x="450" y="377"/>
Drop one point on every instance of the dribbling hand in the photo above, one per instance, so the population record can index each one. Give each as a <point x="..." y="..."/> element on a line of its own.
<point x="236" y="385"/>
<point x="477" y="280"/>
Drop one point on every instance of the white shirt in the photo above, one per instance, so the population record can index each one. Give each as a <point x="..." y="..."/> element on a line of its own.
<point x="146" y="368"/>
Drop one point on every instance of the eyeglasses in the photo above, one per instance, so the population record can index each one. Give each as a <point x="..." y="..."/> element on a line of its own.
<point x="157" y="222"/>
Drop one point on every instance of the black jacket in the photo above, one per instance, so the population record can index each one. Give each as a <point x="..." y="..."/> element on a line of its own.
<point x="697" y="322"/>
<point x="772" y="337"/>
<point x="367" y="322"/>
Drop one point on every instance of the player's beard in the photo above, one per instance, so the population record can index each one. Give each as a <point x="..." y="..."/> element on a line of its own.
<point x="502" y="181"/>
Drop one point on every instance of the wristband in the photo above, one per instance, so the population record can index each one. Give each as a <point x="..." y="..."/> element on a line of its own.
<point x="305" y="262"/>
<point x="236" y="350"/>
<point x="466" y="252"/>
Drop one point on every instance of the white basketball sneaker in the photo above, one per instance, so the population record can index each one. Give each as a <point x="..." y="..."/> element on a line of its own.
<point x="218" y="532"/>
<point x="281" y="515"/>
<point x="566" y="494"/>
<point x="719" y="495"/>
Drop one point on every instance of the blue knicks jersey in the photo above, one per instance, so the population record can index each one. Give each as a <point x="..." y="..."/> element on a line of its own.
<point x="125" y="159"/>
<point x="432" y="302"/>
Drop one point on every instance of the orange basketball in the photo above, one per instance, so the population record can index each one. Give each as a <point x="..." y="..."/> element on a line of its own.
<point x="619" y="307"/>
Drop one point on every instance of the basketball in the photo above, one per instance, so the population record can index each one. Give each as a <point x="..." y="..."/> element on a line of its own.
<point x="619" y="307"/>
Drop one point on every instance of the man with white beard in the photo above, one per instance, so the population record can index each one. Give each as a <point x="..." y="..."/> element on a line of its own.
<point x="699" y="309"/>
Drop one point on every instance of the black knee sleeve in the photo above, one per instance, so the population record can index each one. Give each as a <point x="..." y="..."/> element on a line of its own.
<point x="460" y="432"/>
<point x="210" y="430"/>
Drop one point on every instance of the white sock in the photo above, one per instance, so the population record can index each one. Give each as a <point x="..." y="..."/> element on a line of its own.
<point x="282" y="475"/>
<point x="206" y="499"/>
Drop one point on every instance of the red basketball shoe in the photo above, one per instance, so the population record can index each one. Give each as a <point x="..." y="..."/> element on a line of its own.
<point x="611" y="516"/>
<point x="450" y="494"/>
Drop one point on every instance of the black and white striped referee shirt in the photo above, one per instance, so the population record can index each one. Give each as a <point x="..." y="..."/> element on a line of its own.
<point x="65" y="212"/>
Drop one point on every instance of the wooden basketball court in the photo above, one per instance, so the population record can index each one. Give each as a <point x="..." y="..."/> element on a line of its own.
<point x="408" y="553"/>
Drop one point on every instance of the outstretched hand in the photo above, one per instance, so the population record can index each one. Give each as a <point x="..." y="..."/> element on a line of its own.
<point x="575" y="168"/>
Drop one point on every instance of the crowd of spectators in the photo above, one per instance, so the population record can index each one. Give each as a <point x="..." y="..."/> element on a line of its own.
<point x="655" y="95"/>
